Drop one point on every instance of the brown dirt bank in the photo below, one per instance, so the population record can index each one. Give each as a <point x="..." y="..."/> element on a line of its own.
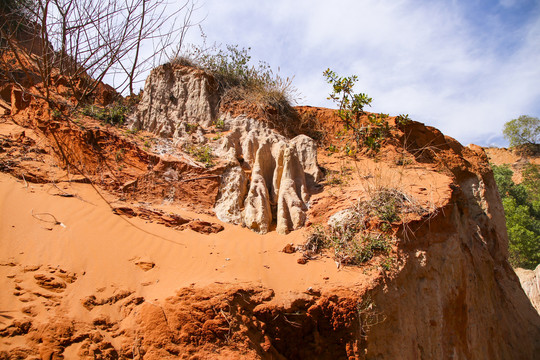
<point x="97" y="258"/>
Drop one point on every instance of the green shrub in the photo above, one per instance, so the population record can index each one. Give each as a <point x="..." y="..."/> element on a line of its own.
<point x="351" y="111"/>
<point x="338" y="177"/>
<point x="354" y="240"/>
<point x="191" y="128"/>
<point x="219" y="124"/>
<point x="56" y="114"/>
<point x="238" y="79"/>
<point x="374" y="133"/>
<point x="315" y="242"/>
<point x="332" y="148"/>
<point x="119" y="155"/>
<point x="114" y="114"/>
<point x="388" y="263"/>
<point x="201" y="153"/>
<point x="386" y="205"/>
<point x="402" y="119"/>
<point x="521" y="204"/>
<point x="353" y="248"/>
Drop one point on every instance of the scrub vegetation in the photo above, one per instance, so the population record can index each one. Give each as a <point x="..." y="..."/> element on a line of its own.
<point x="522" y="209"/>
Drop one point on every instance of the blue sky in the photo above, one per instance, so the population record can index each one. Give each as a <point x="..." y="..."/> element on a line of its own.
<point x="465" y="67"/>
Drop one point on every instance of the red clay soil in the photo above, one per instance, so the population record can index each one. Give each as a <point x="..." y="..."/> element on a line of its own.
<point x="110" y="250"/>
<point x="516" y="159"/>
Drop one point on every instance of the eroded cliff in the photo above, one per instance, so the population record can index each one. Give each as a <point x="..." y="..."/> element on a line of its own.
<point x="111" y="249"/>
<point x="268" y="177"/>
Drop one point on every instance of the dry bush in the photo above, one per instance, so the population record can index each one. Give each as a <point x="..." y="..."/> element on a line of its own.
<point x="354" y="237"/>
<point x="255" y="86"/>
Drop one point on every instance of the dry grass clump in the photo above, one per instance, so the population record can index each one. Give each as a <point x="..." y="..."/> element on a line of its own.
<point x="389" y="204"/>
<point x="316" y="241"/>
<point x="239" y="80"/>
<point x="358" y="234"/>
<point x="201" y="153"/>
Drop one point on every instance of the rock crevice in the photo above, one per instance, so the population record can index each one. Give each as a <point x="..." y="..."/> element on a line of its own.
<point x="267" y="178"/>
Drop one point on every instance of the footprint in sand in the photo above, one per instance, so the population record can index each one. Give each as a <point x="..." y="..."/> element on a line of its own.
<point x="29" y="284"/>
<point x="124" y="300"/>
<point x="144" y="264"/>
<point x="50" y="282"/>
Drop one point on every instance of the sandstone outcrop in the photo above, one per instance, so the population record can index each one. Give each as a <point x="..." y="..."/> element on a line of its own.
<point x="530" y="282"/>
<point x="457" y="290"/>
<point x="278" y="190"/>
<point x="258" y="213"/>
<point x="232" y="192"/>
<point x="133" y="289"/>
<point x="279" y="167"/>
<point x="175" y="98"/>
<point x="307" y="154"/>
<point x="267" y="178"/>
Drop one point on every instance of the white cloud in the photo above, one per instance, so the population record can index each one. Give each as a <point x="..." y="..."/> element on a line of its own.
<point x="508" y="3"/>
<point x="422" y="58"/>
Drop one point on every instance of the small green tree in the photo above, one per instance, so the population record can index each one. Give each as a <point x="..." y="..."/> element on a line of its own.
<point x="351" y="105"/>
<point x="525" y="130"/>
<point x="351" y="110"/>
<point x="531" y="181"/>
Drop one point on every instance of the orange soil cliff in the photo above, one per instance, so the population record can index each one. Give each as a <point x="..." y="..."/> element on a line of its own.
<point x="98" y="258"/>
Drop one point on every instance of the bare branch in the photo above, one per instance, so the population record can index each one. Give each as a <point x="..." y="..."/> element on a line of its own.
<point x="83" y="41"/>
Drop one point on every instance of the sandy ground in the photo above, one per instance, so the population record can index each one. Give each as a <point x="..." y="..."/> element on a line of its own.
<point x="102" y="249"/>
<point x="59" y="255"/>
<point x="81" y="235"/>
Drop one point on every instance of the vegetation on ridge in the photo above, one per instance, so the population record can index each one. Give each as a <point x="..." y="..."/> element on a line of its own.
<point x="238" y="79"/>
<point x="364" y="230"/>
<point x="351" y="110"/>
<point x="525" y="130"/>
<point x="521" y="204"/>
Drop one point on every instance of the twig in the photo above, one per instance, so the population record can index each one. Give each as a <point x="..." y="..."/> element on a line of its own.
<point x="25" y="183"/>
<point x="54" y="222"/>
<point x="66" y="194"/>
<point x="228" y="337"/>
<point x="292" y="323"/>
<point x="63" y="193"/>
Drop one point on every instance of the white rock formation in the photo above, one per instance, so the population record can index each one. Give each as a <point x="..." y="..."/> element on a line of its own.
<point x="267" y="177"/>
<point x="258" y="210"/>
<point x="307" y="154"/>
<point x="530" y="282"/>
<point x="232" y="192"/>
<point x="276" y="166"/>
<point x="175" y="100"/>
<point x="292" y="195"/>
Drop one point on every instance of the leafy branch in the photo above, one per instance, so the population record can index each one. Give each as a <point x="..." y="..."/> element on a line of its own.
<point x="351" y="111"/>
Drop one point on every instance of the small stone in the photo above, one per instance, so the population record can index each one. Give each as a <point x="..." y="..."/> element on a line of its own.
<point x="145" y="265"/>
<point x="301" y="260"/>
<point x="289" y="249"/>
